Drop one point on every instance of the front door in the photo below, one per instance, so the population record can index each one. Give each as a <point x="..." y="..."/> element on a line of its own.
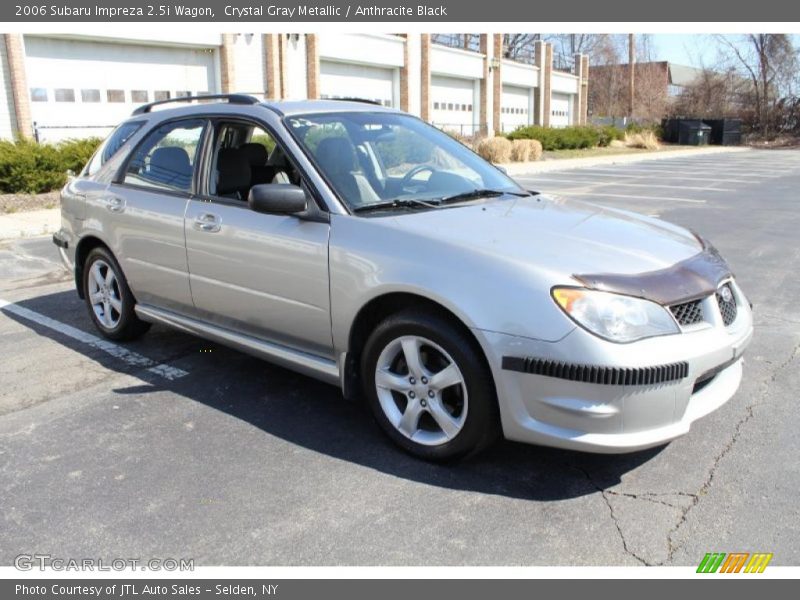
<point x="258" y="274"/>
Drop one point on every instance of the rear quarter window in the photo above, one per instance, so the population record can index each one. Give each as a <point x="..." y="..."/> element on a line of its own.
<point x="111" y="146"/>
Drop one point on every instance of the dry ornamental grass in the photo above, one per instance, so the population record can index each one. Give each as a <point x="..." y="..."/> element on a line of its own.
<point x="646" y="140"/>
<point x="496" y="149"/>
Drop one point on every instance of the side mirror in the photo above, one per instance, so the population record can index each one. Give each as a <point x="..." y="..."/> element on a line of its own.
<point x="277" y="198"/>
<point x="503" y="170"/>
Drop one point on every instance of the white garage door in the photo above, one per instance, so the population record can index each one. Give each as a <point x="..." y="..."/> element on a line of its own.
<point x="80" y="88"/>
<point x="341" y="80"/>
<point x="561" y="107"/>
<point x="515" y="109"/>
<point x="454" y="104"/>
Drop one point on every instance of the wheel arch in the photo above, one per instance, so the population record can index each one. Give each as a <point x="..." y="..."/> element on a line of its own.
<point x="381" y="307"/>
<point x="86" y="244"/>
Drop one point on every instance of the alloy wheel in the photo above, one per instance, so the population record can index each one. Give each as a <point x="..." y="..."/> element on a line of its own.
<point x="421" y="390"/>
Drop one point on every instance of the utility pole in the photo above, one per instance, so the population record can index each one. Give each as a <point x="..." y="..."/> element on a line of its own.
<point x="631" y="77"/>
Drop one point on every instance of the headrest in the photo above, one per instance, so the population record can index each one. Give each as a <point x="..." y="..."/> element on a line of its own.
<point x="171" y="165"/>
<point x="256" y="153"/>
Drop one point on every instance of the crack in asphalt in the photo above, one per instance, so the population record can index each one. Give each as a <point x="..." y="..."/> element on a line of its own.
<point x="604" y="493"/>
<point x="648" y="497"/>
<point x="737" y="430"/>
<point x="695" y="497"/>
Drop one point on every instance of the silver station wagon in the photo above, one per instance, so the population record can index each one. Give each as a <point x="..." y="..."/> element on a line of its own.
<point x="359" y="245"/>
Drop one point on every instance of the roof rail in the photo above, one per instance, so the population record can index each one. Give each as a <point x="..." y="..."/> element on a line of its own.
<point x="231" y="98"/>
<point x="364" y="100"/>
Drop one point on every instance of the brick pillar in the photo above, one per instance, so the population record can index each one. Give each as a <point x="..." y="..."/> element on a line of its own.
<point x="404" y="75"/>
<point x="497" y="81"/>
<point x="15" y="50"/>
<point x="486" y="50"/>
<point x="538" y="95"/>
<point x="425" y="78"/>
<point x="226" y="64"/>
<point x="283" y="70"/>
<point x="546" y="82"/>
<point x="582" y="71"/>
<point x="312" y="66"/>
<point x="272" y="65"/>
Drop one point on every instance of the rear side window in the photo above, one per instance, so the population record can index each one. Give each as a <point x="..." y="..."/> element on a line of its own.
<point x="111" y="146"/>
<point x="167" y="157"/>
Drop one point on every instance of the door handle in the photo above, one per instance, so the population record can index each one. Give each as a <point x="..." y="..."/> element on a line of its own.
<point x="114" y="203"/>
<point x="207" y="222"/>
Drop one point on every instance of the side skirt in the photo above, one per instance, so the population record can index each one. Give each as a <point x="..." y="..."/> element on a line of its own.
<point x="308" y="364"/>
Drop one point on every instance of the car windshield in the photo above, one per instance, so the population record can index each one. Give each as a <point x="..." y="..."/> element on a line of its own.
<point x="376" y="160"/>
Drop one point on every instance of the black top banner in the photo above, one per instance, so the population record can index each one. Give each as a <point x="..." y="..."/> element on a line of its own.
<point x="475" y="11"/>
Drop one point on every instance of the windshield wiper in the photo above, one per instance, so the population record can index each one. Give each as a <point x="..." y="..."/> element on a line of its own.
<point x="479" y="193"/>
<point x="397" y="203"/>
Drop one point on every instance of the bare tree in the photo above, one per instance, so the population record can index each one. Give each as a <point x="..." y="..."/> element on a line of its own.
<point x="570" y="44"/>
<point x="609" y="80"/>
<point x="519" y="46"/>
<point x="770" y="63"/>
<point x="714" y="93"/>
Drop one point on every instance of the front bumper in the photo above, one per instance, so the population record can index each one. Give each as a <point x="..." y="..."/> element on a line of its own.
<point x="584" y="393"/>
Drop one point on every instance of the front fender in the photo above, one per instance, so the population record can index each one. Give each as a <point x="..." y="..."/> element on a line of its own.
<point x="369" y="259"/>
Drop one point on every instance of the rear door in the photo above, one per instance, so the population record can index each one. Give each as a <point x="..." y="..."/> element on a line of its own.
<point x="145" y="209"/>
<point x="256" y="274"/>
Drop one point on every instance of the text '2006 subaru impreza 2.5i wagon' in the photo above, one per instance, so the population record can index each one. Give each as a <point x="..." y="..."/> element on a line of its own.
<point x="359" y="245"/>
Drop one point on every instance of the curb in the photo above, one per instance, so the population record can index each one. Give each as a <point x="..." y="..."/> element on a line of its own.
<point x="30" y="224"/>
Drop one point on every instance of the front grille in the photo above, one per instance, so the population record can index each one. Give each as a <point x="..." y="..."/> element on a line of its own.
<point x="727" y="309"/>
<point x="688" y="313"/>
<point x="597" y="374"/>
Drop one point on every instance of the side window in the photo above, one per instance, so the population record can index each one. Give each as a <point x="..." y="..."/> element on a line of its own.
<point x="243" y="157"/>
<point x="113" y="143"/>
<point x="167" y="157"/>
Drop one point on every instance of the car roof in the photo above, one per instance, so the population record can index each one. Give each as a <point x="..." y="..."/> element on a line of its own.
<point x="282" y="108"/>
<point x="297" y="107"/>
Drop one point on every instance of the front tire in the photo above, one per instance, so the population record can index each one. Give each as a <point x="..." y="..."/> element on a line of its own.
<point x="428" y="386"/>
<point x="109" y="299"/>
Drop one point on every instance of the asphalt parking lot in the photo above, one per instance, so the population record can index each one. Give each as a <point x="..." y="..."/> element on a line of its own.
<point x="174" y="447"/>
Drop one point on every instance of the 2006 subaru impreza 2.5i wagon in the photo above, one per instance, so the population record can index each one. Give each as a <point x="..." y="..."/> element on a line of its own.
<point x="359" y="245"/>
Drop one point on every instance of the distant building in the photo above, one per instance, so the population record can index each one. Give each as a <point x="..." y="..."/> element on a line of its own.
<point x="57" y="86"/>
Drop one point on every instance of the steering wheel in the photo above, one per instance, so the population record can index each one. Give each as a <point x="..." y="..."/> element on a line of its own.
<point x="416" y="171"/>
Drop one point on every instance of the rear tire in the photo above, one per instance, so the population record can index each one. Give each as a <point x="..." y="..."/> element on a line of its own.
<point x="109" y="299"/>
<point x="428" y="386"/>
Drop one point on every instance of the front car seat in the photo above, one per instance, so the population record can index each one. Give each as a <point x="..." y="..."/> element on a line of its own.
<point x="337" y="158"/>
<point x="233" y="174"/>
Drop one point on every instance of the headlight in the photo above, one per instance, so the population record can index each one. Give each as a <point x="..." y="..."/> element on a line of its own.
<point x="615" y="317"/>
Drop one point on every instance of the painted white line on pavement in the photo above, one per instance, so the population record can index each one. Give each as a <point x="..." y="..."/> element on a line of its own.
<point x="678" y="170"/>
<point x="641" y="185"/>
<point x="598" y="194"/>
<point x="132" y="358"/>
<point x="589" y="173"/>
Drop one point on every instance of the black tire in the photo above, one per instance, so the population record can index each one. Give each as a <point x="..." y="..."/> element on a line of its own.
<point x="481" y="425"/>
<point x="126" y="325"/>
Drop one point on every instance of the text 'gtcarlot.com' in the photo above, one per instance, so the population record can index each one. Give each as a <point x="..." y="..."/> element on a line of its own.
<point x="28" y="562"/>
